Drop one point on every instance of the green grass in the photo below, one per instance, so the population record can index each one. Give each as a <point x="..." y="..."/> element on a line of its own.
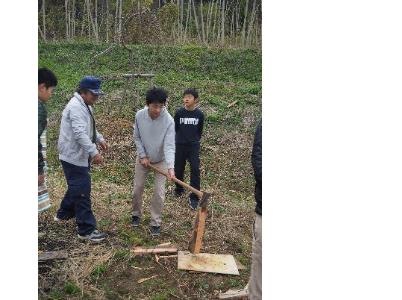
<point x="71" y="288"/>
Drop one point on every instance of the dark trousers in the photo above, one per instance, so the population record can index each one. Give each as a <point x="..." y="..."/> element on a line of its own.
<point x="190" y="153"/>
<point x="77" y="200"/>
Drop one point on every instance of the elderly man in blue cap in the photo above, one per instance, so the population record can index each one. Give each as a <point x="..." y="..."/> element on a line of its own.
<point x="77" y="147"/>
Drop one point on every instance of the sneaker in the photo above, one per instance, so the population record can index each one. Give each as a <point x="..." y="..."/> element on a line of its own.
<point x="193" y="203"/>
<point x="178" y="193"/>
<point x="94" y="236"/>
<point x="57" y="219"/>
<point x="135" y="221"/>
<point x="155" y="230"/>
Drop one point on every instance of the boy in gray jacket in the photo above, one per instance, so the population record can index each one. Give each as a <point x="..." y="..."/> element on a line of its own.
<point x="154" y="137"/>
<point x="77" y="149"/>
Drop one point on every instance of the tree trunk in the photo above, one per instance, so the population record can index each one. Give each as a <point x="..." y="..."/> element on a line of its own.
<point x="120" y="20"/>
<point x="251" y="23"/>
<point x="41" y="33"/>
<point x="223" y="24"/>
<point x="107" y="21"/>
<point x="116" y="31"/>
<point x="243" y="33"/>
<point x="96" y="29"/>
<point x="181" y="17"/>
<point x="91" y="21"/>
<point x="215" y="21"/>
<point x="202" y="23"/>
<point x="44" y="20"/>
<point x="196" y="20"/>
<point x="187" y="19"/>
<point x="73" y="12"/>
<point x="83" y="21"/>
<point x="66" y="18"/>
<point x="208" y="23"/>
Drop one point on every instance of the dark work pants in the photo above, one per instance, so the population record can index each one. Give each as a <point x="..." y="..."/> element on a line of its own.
<point x="190" y="153"/>
<point x="77" y="200"/>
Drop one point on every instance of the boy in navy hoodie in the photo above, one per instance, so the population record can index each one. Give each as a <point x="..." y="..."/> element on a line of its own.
<point x="189" y="122"/>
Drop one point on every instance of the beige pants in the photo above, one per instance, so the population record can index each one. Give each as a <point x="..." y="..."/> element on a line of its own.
<point x="158" y="197"/>
<point x="254" y="285"/>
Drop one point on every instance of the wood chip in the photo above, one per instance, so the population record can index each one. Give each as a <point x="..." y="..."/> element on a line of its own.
<point x="145" y="279"/>
<point x="164" y="244"/>
<point x="231" y="104"/>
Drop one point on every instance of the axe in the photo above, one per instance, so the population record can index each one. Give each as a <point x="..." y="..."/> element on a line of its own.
<point x="199" y="224"/>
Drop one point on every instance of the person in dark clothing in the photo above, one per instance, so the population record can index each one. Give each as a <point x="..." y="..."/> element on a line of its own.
<point x="254" y="286"/>
<point x="189" y="123"/>
<point x="47" y="81"/>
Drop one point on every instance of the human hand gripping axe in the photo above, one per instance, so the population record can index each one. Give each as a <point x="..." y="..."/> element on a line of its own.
<point x="199" y="225"/>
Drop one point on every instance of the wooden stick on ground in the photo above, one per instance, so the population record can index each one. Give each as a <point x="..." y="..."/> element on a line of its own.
<point x="140" y="250"/>
<point x="231" y="104"/>
<point x="234" y="295"/>
<point x="51" y="255"/>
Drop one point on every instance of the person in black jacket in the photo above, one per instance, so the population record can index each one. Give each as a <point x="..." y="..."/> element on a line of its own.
<point x="254" y="286"/>
<point x="189" y="122"/>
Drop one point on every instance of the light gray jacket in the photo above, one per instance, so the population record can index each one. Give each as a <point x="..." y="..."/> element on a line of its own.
<point x="75" y="145"/>
<point x="155" y="138"/>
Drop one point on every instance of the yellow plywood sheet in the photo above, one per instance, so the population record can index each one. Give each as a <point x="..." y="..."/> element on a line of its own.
<point x="205" y="262"/>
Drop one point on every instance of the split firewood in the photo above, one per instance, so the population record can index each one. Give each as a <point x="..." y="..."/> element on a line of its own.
<point x="140" y="250"/>
<point x="145" y="279"/>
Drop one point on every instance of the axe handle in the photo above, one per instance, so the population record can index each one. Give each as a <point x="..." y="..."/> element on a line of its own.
<point x="183" y="184"/>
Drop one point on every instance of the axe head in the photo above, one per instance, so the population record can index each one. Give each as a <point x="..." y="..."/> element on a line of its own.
<point x="204" y="199"/>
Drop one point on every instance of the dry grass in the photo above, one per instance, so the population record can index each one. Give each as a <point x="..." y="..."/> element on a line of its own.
<point x="225" y="172"/>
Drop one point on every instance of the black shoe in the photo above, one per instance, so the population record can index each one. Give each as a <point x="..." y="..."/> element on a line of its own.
<point x="178" y="193"/>
<point x="155" y="230"/>
<point x="94" y="236"/>
<point x="135" y="221"/>
<point x="193" y="203"/>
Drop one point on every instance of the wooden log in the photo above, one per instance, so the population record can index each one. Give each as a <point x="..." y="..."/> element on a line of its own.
<point x="51" y="255"/>
<point x="234" y="295"/>
<point x="198" y="232"/>
<point x="140" y="250"/>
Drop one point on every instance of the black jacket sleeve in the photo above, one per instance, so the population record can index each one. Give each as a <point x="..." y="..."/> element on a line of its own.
<point x="201" y="124"/>
<point x="256" y="155"/>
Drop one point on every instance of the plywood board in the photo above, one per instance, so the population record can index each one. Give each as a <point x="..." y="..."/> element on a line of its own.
<point x="205" y="262"/>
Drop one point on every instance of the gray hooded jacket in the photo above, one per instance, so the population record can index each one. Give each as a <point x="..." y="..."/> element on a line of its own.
<point x="155" y="138"/>
<point x="75" y="145"/>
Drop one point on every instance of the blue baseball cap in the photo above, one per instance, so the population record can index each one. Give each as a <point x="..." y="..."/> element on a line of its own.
<point x="92" y="84"/>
